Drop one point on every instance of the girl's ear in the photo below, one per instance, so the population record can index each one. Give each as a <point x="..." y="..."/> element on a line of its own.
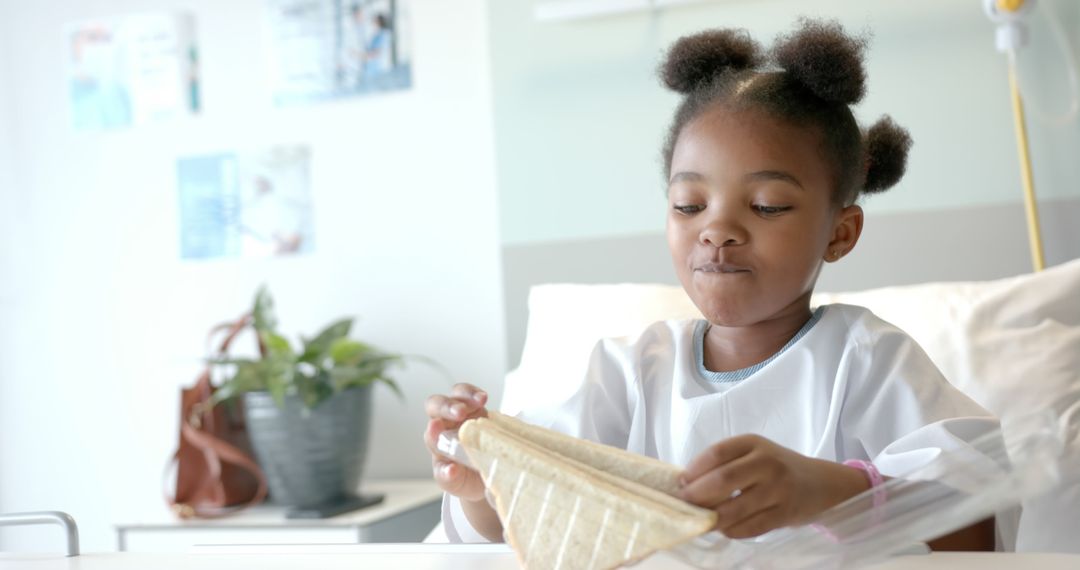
<point x="845" y="234"/>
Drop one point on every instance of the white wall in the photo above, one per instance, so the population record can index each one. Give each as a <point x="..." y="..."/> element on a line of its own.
<point x="105" y="323"/>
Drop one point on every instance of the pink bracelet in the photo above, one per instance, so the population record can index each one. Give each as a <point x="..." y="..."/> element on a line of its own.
<point x="877" y="482"/>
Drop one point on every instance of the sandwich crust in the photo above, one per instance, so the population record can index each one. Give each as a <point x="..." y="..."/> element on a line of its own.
<point x="648" y="471"/>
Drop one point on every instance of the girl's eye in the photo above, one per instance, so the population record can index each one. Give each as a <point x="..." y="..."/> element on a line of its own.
<point x="688" y="209"/>
<point x="771" y="210"/>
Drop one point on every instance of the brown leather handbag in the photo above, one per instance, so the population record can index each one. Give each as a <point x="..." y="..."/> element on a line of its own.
<point x="215" y="472"/>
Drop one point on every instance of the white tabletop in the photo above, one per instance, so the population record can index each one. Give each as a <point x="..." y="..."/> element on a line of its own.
<point x="452" y="557"/>
<point x="401" y="495"/>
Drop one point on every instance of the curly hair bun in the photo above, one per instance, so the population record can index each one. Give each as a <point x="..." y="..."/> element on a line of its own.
<point x="824" y="59"/>
<point x="695" y="60"/>
<point x="887" y="146"/>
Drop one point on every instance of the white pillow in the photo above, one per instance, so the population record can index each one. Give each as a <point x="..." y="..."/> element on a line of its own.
<point x="958" y="324"/>
<point x="1010" y="344"/>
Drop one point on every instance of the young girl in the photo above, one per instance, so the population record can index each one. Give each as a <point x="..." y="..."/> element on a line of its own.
<point x="764" y="399"/>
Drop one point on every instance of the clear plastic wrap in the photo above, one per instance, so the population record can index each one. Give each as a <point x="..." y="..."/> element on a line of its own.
<point x="954" y="490"/>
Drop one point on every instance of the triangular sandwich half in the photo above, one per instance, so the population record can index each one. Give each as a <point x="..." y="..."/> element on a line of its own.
<point x="559" y="512"/>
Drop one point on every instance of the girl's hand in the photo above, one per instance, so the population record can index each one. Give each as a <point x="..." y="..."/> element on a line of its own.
<point x="755" y="485"/>
<point x="446" y="413"/>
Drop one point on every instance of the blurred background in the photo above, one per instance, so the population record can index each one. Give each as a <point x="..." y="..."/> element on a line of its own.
<point x="508" y="143"/>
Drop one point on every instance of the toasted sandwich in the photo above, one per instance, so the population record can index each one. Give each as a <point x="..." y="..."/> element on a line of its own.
<point x="567" y="503"/>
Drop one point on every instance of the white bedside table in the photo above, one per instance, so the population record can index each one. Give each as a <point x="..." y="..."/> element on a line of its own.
<point x="408" y="512"/>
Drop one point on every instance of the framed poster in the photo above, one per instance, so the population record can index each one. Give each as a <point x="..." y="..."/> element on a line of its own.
<point x="132" y="70"/>
<point x="326" y="49"/>
<point x="252" y="204"/>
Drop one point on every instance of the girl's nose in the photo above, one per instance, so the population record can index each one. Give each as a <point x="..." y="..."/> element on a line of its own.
<point x="722" y="229"/>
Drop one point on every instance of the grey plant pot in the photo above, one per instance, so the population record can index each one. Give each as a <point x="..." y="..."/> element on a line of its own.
<point x="315" y="456"/>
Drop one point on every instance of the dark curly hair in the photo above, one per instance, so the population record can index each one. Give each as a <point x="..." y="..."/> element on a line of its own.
<point x="817" y="74"/>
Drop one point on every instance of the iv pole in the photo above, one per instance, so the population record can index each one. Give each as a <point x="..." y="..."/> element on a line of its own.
<point x="1011" y="35"/>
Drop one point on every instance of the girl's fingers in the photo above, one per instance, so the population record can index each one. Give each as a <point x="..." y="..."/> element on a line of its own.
<point x="756" y="524"/>
<point x="434" y="405"/>
<point x="452" y="408"/>
<point x="470" y="393"/>
<point x="719" y="485"/>
<point x="453" y="477"/>
<point x="447" y="475"/>
<point x="719" y="454"/>
<point x="467" y="400"/>
<point x="431" y="436"/>
<point x="446" y="413"/>
<point x="441" y="470"/>
<point x="746" y="504"/>
<point x="458" y="480"/>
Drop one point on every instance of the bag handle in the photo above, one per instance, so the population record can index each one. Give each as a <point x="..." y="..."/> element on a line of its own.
<point x="234" y="328"/>
<point x="216" y="450"/>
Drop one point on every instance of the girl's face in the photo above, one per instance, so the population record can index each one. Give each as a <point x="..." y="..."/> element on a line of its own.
<point x="750" y="215"/>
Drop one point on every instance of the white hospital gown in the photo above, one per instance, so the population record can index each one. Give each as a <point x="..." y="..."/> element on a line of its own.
<point x="848" y="386"/>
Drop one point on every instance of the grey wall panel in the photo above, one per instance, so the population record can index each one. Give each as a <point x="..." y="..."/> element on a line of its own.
<point x="972" y="244"/>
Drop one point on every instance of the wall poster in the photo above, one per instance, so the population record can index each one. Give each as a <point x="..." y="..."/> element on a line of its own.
<point x="250" y="204"/>
<point x="326" y="49"/>
<point x="132" y="70"/>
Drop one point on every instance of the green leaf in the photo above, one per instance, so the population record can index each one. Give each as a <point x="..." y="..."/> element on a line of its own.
<point x="277" y="347"/>
<point x="225" y="361"/>
<point x="223" y="393"/>
<point x="278" y="383"/>
<point x="313" y="391"/>
<point x="345" y="378"/>
<point x="248" y="376"/>
<point x="262" y="312"/>
<point x="316" y="348"/>
<point x="393" y="386"/>
<point x="370" y="368"/>
<point x="279" y="367"/>
<point x="346" y="352"/>
<point x="380" y="359"/>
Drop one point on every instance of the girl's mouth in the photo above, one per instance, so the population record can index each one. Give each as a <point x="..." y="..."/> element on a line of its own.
<point x="714" y="267"/>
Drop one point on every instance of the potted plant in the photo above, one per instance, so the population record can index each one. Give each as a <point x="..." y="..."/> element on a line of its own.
<point x="308" y="409"/>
